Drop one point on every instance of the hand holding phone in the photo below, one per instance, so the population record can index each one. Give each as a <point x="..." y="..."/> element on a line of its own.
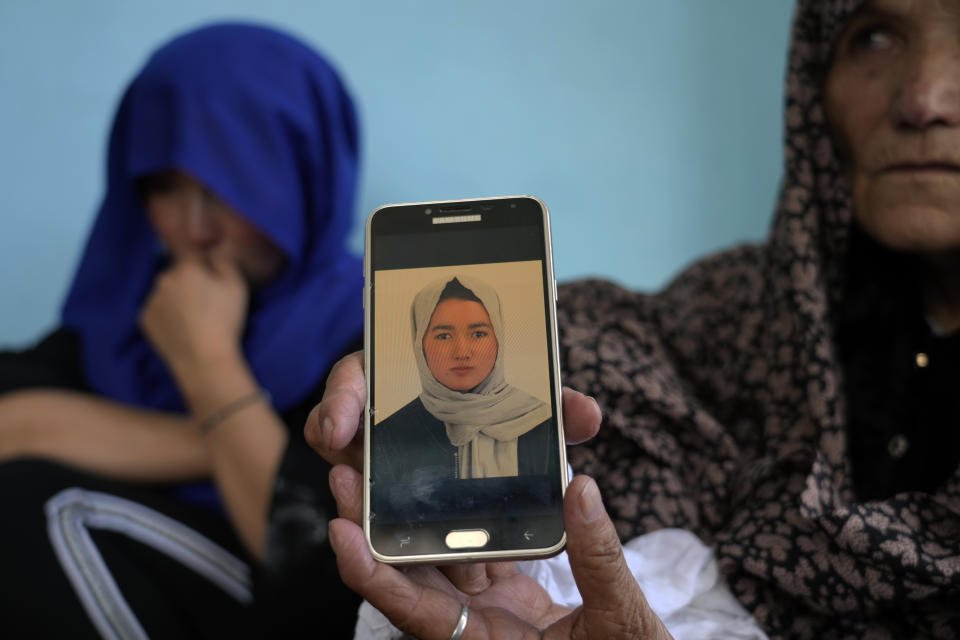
<point x="464" y="458"/>
<point x="427" y="601"/>
<point x="496" y="600"/>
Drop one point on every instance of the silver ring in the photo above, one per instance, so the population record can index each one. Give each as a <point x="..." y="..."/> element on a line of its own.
<point x="461" y="623"/>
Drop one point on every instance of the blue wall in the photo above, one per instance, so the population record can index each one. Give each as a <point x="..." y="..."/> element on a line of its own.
<point x="651" y="129"/>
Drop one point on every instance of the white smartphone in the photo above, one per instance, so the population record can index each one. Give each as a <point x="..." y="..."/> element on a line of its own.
<point x="464" y="456"/>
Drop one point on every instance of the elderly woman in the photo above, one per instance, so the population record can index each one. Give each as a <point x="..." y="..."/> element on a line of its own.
<point x="214" y="293"/>
<point x="793" y="404"/>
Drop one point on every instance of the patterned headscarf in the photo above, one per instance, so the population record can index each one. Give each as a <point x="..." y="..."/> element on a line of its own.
<point x="265" y="123"/>
<point x="725" y="411"/>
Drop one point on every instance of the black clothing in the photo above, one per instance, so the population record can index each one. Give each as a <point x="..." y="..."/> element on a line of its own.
<point x="413" y="438"/>
<point x="901" y="378"/>
<point x="415" y="462"/>
<point x="54" y="362"/>
<point x="169" y="599"/>
<point x="298" y="588"/>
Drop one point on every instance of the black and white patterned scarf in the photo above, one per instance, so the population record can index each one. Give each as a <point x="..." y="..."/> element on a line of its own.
<point x="725" y="413"/>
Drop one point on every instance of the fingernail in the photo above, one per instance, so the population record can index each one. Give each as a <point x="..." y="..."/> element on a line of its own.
<point x="596" y="404"/>
<point x="327" y="431"/>
<point x="591" y="506"/>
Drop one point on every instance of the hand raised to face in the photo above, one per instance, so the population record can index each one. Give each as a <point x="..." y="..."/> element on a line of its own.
<point x="195" y="312"/>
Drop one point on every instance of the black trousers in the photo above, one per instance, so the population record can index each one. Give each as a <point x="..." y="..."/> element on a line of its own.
<point x="85" y="557"/>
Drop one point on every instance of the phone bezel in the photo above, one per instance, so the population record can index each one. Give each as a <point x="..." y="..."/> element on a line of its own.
<point x="550" y="292"/>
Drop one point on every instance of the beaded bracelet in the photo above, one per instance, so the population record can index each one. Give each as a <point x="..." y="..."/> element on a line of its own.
<point x="224" y="412"/>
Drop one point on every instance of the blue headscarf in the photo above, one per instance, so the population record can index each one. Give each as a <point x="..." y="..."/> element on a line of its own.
<point x="265" y="123"/>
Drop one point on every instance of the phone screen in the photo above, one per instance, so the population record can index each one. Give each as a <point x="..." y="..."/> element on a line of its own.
<point x="463" y="421"/>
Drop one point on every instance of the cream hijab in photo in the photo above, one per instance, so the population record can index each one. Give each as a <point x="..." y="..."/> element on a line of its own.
<point x="485" y="422"/>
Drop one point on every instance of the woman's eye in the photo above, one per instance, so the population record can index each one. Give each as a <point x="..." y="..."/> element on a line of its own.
<point x="872" y="38"/>
<point x="480" y="334"/>
<point x="441" y="336"/>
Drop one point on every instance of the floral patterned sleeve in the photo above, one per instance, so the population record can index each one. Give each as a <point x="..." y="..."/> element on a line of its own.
<point x="661" y="458"/>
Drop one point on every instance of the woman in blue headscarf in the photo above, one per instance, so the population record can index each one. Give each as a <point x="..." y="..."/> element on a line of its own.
<point x="214" y="294"/>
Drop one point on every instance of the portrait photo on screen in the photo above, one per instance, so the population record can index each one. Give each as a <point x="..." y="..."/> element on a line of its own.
<point x="462" y="376"/>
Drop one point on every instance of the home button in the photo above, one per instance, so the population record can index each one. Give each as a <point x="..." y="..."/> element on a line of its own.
<point x="467" y="539"/>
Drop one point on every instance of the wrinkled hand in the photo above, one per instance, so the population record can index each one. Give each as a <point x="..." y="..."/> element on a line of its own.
<point x="503" y="603"/>
<point x="196" y="312"/>
<point x="426" y="601"/>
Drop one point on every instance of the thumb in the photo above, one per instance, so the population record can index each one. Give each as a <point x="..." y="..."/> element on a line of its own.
<point x="613" y="604"/>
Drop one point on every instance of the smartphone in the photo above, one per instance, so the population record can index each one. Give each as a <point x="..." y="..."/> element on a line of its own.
<point x="464" y="455"/>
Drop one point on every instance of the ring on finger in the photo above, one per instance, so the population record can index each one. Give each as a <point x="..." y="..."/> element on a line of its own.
<point x="461" y="623"/>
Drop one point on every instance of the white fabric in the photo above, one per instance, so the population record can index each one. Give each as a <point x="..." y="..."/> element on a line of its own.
<point x="678" y="575"/>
